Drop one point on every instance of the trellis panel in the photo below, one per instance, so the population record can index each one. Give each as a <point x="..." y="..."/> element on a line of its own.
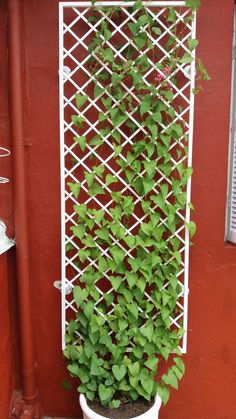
<point x="75" y="76"/>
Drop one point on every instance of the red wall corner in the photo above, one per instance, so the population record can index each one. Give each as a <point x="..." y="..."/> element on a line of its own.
<point x="6" y="367"/>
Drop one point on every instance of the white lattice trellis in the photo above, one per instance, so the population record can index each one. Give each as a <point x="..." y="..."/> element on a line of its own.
<point x="75" y="30"/>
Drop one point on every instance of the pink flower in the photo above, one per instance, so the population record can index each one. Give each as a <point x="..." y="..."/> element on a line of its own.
<point x="167" y="70"/>
<point x="159" y="77"/>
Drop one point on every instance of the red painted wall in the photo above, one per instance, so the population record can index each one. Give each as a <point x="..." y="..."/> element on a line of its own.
<point x="208" y="389"/>
<point x="8" y="334"/>
<point x="6" y="376"/>
<point x="9" y="344"/>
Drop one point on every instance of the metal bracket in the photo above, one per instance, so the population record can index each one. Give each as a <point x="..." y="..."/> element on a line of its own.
<point x="5" y="242"/>
<point x="58" y="285"/>
<point x="65" y="72"/>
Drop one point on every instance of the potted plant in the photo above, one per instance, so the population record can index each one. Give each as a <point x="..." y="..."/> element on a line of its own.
<point x="122" y="343"/>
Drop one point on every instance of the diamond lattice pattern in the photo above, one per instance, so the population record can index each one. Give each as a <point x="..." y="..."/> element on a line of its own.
<point x="77" y="73"/>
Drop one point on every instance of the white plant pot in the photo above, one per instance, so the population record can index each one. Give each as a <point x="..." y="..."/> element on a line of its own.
<point x="88" y="413"/>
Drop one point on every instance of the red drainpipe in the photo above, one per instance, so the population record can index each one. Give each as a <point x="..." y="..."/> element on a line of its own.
<point x="16" y="89"/>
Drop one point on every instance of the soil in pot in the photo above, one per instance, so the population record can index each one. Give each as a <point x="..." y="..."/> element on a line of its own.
<point x="125" y="411"/>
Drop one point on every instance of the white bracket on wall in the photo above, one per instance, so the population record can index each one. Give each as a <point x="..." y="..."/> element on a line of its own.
<point x="5" y="242"/>
<point x="58" y="286"/>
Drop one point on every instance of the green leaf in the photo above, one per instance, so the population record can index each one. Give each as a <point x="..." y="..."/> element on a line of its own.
<point x="88" y="348"/>
<point x="116" y="79"/>
<point x="107" y="102"/>
<point x="178" y="130"/>
<point x="98" y="215"/>
<point x="116" y="282"/>
<point x="170" y="379"/>
<point x="192" y="44"/>
<point x="147" y="384"/>
<point x="105" y="393"/>
<point x="180" y="364"/>
<point x="150" y="149"/>
<point x="146" y="206"/>
<point x="142" y="20"/>
<point x="191" y="226"/>
<point x="78" y="120"/>
<point x="79" y="295"/>
<point x="140" y="40"/>
<point x="81" y="210"/>
<point x="177" y="256"/>
<point x="107" y="34"/>
<point x="150" y="167"/>
<point x="116" y="213"/>
<point x="117" y="117"/>
<point x="89" y="178"/>
<point x="156" y="30"/>
<point x="133" y="309"/>
<point x="153" y="129"/>
<point x="83" y="254"/>
<point x="130" y="241"/>
<point x="78" y="230"/>
<point x="88" y="309"/>
<point x="193" y="4"/>
<point x="96" y="141"/>
<point x="134" y="369"/>
<point x="103" y="234"/>
<point x="89" y="241"/>
<point x="203" y="71"/>
<point x="138" y="352"/>
<point x="141" y="284"/>
<point x="75" y="188"/>
<point x="110" y="179"/>
<point x="131" y="279"/>
<point x="118" y="254"/>
<point x="157" y="117"/>
<point x="143" y="393"/>
<point x="74" y="369"/>
<point x="102" y="117"/>
<point x="127" y="294"/>
<point x="171" y="16"/>
<point x="128" y="205"/>
<point x="119" y="371"/>
<point x="186" y="59"/>
<point x="117" y="149"/>
<point x="116" y="135"/>
<point x="134" y="263"/>
<point x="80" y="100"/>
<point x="151" y="363"/>
<point x="133" y="28"/>
<point x="164" y="393"/>
<point x="72" y="327"/>
<point x="146" y="104"/>
<point x="147" y="331"/>
<point x="97" y="91"/>
<point x="123" y="324"/>
<point x="99" y="170"/>
<point x="81" y="141"/>
<point x="114" y="404"/>
<point x="148" y="184"/>
<point x="108" y="54"/>
<point x="96" y="189"/>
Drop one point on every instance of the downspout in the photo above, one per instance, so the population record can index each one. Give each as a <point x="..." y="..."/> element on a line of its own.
<point x="16" y="93"/>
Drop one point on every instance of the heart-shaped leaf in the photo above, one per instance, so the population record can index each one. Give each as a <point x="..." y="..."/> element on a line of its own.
<point x="119" y="371"/>
<point x="79" y="295"/>
<point x="134" y="369"/>
<point x="75" y="188"/>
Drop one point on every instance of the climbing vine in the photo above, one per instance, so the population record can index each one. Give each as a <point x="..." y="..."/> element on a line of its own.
<point x="131" y="246"/>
